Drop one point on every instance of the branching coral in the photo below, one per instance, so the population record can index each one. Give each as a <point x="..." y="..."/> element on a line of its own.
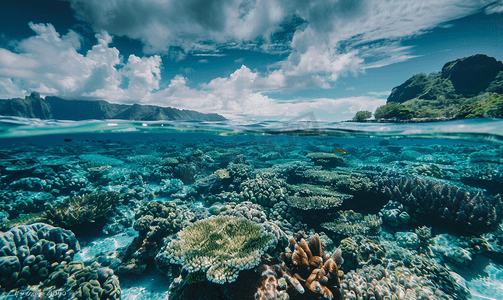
<point x="220" y="246"/>
<point x="153" y="222"/>
<point x="316" y="272"/>
<point x="79" y="209"/>
<point x="466" y="207"/>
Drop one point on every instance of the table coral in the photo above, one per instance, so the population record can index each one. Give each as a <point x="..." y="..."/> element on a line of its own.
<point x="327" y="160"/>
<point x="220" y="246"/>
<point x="350" y="223"/>
<point x="308" y="197"/>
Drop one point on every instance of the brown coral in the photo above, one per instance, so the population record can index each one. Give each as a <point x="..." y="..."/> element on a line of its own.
<point x="317" y="273"/>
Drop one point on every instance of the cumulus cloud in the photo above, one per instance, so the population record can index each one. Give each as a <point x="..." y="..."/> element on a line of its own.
<point x="51" y="64"/>
<point x="163" y="24"/>
<point x="335" y="37"/>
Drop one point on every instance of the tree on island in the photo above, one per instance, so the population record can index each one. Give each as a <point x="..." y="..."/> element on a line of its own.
<point x="393" y="111"/>
<point x="362" y="115"/>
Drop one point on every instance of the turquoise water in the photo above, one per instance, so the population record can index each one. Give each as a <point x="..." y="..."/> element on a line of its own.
<point x="418" y="206"/>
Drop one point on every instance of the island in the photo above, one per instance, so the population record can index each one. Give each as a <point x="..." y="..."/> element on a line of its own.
<point x="34" y="106"/>
<point x="469" y="87"/>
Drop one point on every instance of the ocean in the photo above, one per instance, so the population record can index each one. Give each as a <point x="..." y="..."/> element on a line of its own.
<point x="293" y="209"/>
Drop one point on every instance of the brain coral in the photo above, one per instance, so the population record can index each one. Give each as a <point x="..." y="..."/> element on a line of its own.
<point x="29" y="253"/>
<point x="220" y="246"/>
<point x="83" y="282"/>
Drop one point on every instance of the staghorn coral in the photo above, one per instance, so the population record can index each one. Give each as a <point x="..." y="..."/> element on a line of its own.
<point x="82" y="282"/>
<point x="153" y="222"/>
<point x="220" y="246"/>
<point x="466" y="207"/>
<point x="79" y="209"/>
<point x="317" y="273"/>
<point x="29" y="253"/>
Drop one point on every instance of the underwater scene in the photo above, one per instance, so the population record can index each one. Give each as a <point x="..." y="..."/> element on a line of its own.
<point x="300" y="209"/>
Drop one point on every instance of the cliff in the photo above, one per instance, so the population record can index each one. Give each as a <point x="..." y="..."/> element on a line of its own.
<point x="466" y="87"/>
<point x="33" y="106"/>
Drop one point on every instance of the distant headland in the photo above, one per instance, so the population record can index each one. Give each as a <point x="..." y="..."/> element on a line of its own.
<point x="33" y="106"/>
<point x="469" y="87"/>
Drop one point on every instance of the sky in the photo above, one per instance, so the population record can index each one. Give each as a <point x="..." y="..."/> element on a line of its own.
<point x="243" y="59"/>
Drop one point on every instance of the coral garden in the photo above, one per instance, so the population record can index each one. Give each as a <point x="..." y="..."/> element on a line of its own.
<point x="215" y="217"/>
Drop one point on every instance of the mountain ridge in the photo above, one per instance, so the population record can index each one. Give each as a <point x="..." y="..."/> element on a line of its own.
<point x="468" y="87"/>
<point x="33" y="106"/>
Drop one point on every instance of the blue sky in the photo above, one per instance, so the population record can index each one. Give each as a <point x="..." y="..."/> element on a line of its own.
<point x="244" y="59"/>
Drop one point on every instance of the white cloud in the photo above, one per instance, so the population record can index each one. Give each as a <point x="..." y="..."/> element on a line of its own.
<point x="94" y="75"/>
<point x="50" y="64"/>
<point x="339" y="37"/>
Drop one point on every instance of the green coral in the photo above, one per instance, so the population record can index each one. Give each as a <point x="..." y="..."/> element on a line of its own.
<point x="219" y="246"/>
<point x="79" y="209"/>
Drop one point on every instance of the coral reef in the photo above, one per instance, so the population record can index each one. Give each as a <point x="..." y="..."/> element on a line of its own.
<point x="308" y="196"/>
<point x="327" y="160"/>
<point x="221" y="246"/>
<point x="82" y="282"/>
<point x="451" y="203"/>
<point x="390" y="282"/>
<point x="349" y="223"/>
<point x="78" y="209"/>
<point x="29" y="253"/>
<point x="394" y="214"/>
<point x="265" y="189"/>
<point x="317" y="273"/>
<point x="358" y="251"/>
<point x="153" y="222"/>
